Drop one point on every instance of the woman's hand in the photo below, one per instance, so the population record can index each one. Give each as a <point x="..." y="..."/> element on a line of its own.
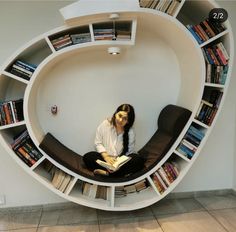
<point x="109" y="159"/>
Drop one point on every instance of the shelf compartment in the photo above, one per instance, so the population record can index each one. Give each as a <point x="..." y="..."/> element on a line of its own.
<point x="11" y="112"/>
<point x="191" y="140"/>
<point x="189" y="13"/>
<point x="71" y="36"/>
<point x="55" y="177"/>
<point x="96" y="194"/>
<point x="169" y="6"/>
<point x="132" y="199"/>
<point x="209" y="105"/>
<point x="31" y="57"/>
<point x="113" y="30"/>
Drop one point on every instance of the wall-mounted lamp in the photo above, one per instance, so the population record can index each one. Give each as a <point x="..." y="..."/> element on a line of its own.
<point x="114" y="16"/>
<point x="54" y="109"/>
<point x="113" y="50"/>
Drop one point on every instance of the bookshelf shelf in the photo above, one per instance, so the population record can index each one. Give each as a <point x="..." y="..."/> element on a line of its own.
<point x="34" y="73"/>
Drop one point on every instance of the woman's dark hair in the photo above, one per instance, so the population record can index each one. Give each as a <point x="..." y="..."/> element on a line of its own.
<point x="131" y="117"/>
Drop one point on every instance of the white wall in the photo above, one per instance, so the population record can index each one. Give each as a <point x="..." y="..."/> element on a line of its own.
<point x="214" y="168"/>
<point x="20" y="22"/>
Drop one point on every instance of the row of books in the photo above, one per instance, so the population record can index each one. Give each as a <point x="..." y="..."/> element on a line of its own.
<point x="216" y="73"/>
<point x="25" y="149"/>
<point x="121" y="191"/>
<point x="95" y="191"/>
<point x="208" y="109"/>
<point x="165" y="175"/>
<point x="205" y="30"/>
<point x="70" y="39"/>
<point x="111" y="34"/>
<point x="11" y="112"/>
<point x="216" y="54"/>
<point x="23" y="69"/>
<point x="167" y="6"/>
<point x="191" y="141"/>
<point x="60" y="179"/>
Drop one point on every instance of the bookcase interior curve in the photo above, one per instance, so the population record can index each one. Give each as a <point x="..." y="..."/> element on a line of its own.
<point x="194" y="91"/>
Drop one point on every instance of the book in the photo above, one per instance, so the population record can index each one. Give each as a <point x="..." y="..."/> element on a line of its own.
<point x="120" y="161"/>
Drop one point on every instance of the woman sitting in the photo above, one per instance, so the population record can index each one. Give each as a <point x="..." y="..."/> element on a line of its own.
<point x="115" y="137"/>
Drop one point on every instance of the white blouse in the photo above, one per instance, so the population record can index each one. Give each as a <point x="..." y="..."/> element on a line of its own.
<point x="107" y="139"/>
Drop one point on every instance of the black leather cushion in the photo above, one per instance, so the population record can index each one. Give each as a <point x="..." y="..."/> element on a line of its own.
<point x="172" y="119"/>
<point x="63" y="155"/>
<point x="171" y="122"/>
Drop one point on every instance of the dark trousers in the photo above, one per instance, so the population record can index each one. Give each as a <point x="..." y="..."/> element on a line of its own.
<point x="134" y="165"/>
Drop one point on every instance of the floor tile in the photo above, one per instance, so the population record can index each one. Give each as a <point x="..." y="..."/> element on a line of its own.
<point x="218" y="202"/>
<point x="71" y="228"/>
<point x="227" y="217"/>
<point x="139" y="224"/>
<point x="11" y="221"/>
<point x="168" y="206"/>
<point x="104" y="215"/>
<point x="189" y="222"/>
<point x="23" y="230"/>
<point x="74" y="215"/>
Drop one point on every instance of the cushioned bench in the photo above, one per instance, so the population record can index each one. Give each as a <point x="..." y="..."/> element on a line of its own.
<point x="171" y="121"/>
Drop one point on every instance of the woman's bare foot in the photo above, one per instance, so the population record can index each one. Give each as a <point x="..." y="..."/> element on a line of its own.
<point x="101" y="172"/>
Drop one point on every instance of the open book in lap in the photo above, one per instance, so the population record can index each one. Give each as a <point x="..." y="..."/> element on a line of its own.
<point x="120" y="161"/>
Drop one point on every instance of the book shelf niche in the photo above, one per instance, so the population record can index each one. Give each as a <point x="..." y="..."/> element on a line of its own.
<point x="208" y="74"/>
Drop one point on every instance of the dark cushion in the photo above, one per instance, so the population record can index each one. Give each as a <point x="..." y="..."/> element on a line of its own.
<point x="171" y="122"/>
<point x="172" y="119"/>
<point x="63" y="155"/>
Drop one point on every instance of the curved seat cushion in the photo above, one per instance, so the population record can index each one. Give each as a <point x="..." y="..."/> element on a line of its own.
<point x="73" y="161"/>
<point x="171" y="122"/>
<point x="63" y="155"/>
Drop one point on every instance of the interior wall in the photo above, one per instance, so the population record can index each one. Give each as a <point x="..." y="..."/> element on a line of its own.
<point x="28" y="19"/>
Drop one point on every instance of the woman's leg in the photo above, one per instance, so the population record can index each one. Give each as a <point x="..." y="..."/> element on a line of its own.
<point x="90" y="160"/>
<point x="134" y="165"/>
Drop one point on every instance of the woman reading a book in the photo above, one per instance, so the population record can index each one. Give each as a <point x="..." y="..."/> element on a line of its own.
<point x="115" y="138"/>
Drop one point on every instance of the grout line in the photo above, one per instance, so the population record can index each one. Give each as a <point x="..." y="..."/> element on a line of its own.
<point x="210" y="213"/>
<point x="217" y="221"/>
<point x="157" y="220"/>
<point x="98" y="222"/>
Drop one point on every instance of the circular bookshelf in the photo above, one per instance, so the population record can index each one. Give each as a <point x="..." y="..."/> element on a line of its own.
<point x="65" y="77"/>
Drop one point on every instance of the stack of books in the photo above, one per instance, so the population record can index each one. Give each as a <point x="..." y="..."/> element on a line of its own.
<point x="123" y="35"/>
<point x="80" y="38"/>
<point x="23" y="69"/>
<point x="217" y="59"/>
<point x="205" y="30"/>
<point x="165" y="175"/>
<point x="95" y="191"/>
<point x="167" y="6"/>
<point x="104" y="34"/>
<point x="11" y="112"/>
<point x="60" y="179"/>
<point x="208" y="108"/>
<point x="191" y="141"/>
<point x="61" y="42"/>
<point x="25" y="149"/>
<point x="187" y="148"/>
<point x="120" y="192"/>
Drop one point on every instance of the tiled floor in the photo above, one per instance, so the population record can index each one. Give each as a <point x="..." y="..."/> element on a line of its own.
<point x="200" y="214"/>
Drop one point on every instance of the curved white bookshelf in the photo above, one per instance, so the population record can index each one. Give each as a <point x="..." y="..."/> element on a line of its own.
<point x="48" y="52"/>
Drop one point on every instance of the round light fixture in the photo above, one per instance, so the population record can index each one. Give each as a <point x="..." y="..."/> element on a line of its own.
<point x="114" y="50"/>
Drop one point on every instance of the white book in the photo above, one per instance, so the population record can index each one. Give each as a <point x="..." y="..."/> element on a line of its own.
<point x="120" y="160"/>
<point x="163" y="175"/>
